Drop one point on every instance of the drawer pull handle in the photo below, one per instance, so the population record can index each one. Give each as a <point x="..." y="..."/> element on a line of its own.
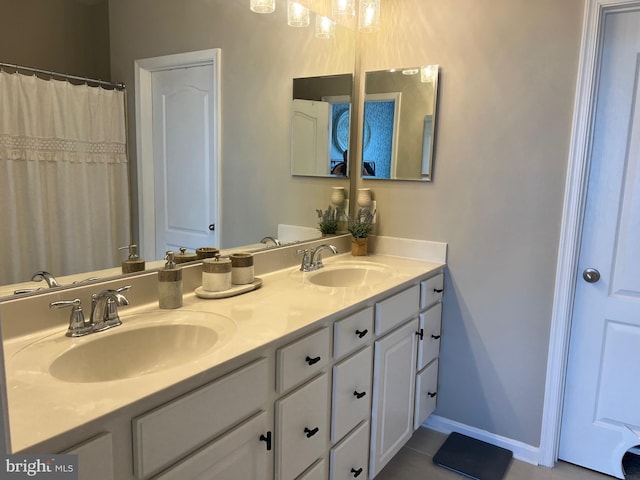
<point x="435" y="337"/>
<point x="267" y="439"/>
<point x="438" y="290"/>
<point x="359" y="394"/>
<point x="311" y="433"/>
<point x="362" y="333"/>
<point x="312" y="361"/>
<point x="432" y="394"/>
<point x="357" y="472"/>
<point x="420" y="333"/>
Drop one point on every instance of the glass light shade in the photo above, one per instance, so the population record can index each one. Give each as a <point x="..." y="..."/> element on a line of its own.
<point x="263" y="6"/>
<point x="369" y="15"/>
<point x="297" y="14"/>
<point x="343" y="8"/>
<point x="325" y="27"/>
<point x="427" y="73"/>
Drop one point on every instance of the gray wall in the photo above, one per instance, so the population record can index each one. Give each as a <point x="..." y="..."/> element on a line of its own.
<point x="67" y="36"/>
<point x="508" y="72"/>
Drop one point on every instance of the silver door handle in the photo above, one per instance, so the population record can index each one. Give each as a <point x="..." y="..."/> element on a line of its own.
<point x="591" y="275"/>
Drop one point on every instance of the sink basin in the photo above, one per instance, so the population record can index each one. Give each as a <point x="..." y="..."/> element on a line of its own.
<point x="349" y="275"/>
<point x="132" y="353"/>
<point x="144" y="344"/>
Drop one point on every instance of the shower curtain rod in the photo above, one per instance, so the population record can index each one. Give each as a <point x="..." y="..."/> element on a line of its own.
<point x="117" y="86"/>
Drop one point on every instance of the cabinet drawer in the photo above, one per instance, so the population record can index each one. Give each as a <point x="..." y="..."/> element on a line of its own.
<point x="318" y="471"/>
<point x="430" y="327"/>
<point x="351" y="393"/>
<point x="95" y="458"/>
<point x="237" y="455"/>
<point x="426" y="393"/>
<point x="167" y="433"/>
<point x="352" y="332"/>
<point x="431" y="290"/>
<point x="303" y="421"/>
<point x="395" y="310"/>
<point x="349" y="458"/>
<point x="301" y="360"/>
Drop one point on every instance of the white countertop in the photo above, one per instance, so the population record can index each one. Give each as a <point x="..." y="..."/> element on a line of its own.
<point x="41" y="406"/>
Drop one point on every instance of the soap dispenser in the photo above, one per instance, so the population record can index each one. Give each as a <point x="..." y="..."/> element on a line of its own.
<point x="170" y="284"/>
<point x="134" y="263"/>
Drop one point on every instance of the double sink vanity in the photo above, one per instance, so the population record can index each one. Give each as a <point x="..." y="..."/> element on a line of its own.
<point x="315" y="375"/>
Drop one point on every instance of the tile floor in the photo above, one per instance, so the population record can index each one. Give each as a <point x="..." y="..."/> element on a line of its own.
<point x="414" y="462"/>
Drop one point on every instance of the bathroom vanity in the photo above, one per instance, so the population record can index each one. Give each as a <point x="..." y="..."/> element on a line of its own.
<point x="315" y="375"/>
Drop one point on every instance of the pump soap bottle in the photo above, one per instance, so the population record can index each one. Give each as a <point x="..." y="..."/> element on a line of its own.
<point x="134" y="263"/>
<point x="170" y="284"/>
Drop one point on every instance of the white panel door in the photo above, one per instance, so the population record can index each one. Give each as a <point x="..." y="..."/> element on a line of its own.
<point x="602" y="392"/>
<point x="310" y="137"/>
<point x="185" y="174"/>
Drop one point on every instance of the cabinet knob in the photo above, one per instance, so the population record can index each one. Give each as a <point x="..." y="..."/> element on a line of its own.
<point x="359" y="394"/>
<point x="438" y="290"/>
<point x="267" y="439"/>
<point x="435" y="337"/>
<point x="362" y="333"/>
<point x="312" y="432"/>
<point x="432" y="394"/>
<point x="356" y="473"/>
<point x="420" y="333"/>
<point x="312" y="361"/>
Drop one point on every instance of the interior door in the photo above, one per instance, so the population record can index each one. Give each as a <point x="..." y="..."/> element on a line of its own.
<point x="602" y="392"/>
<point x="310" y="137"/>
<point x="185" y="174"/>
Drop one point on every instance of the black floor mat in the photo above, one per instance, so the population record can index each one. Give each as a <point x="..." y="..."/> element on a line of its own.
<point x="473" y="458"/>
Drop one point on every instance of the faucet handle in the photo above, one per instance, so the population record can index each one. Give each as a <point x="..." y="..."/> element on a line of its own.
<point x="306" y="259"/>
<point x="77" y="323"/>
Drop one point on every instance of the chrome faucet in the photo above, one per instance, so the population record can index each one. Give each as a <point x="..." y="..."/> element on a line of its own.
<point x="274" y="240"/>
<point x="312" y="257"/>
<point x="316" y="254"/>
<point x="104" y="308"/>
<point x="47" y="277"/>
<point x="104" y="312"/>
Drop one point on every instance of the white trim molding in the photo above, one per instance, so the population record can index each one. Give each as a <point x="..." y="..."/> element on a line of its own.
<point x="572" y="219"/>
<point x="521" y="451"/>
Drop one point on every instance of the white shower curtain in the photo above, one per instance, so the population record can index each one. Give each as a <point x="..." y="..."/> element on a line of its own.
<point x="64" y="192"/>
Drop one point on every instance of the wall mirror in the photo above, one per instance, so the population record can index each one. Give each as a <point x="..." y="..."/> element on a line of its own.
<point x="320" y="125"/>
<point x="261" y="55"/>
<point x="399" y="123"/>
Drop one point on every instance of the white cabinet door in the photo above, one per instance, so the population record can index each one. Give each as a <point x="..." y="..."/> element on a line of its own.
<point x="393" y="394"/>
<point x="429" y="338"/>
<point x="302" y="433"/>
<point x="238" y="455"/>
<point x="426" y="393"/>
<point x="351" y="393"/>
<point x="349" y="457"/>
<point x="95" y="458"/>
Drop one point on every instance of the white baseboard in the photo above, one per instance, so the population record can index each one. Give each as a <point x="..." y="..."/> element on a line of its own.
<point x="521" y="451"/>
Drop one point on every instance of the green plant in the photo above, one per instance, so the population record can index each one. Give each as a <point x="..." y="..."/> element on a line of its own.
<point x="362" y="225"/>
<point x="328" y="223"/>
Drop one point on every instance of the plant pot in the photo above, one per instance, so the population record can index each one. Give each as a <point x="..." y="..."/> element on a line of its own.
<point x="359" y="246"/>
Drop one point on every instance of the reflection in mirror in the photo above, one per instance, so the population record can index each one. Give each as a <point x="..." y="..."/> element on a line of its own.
<point x="320" y="120"/>
<point x="102" y="39"/>
<point x="399" y="123"/>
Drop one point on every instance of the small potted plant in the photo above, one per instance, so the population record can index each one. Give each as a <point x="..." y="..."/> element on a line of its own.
<point x="328" y="221"/>
<point x="360" y="227"/>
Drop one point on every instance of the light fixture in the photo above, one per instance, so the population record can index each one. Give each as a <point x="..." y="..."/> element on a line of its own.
<point x="369" y="15"/>
<point x="428" y="73"/>
<point x="297" y="14"/>
<point x="325" y="27"/>
<point x="341" y="8"/>
<point x="263" y="6"/>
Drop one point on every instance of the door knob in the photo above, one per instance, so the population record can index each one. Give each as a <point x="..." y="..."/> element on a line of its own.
<point x="591" y="275"/>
